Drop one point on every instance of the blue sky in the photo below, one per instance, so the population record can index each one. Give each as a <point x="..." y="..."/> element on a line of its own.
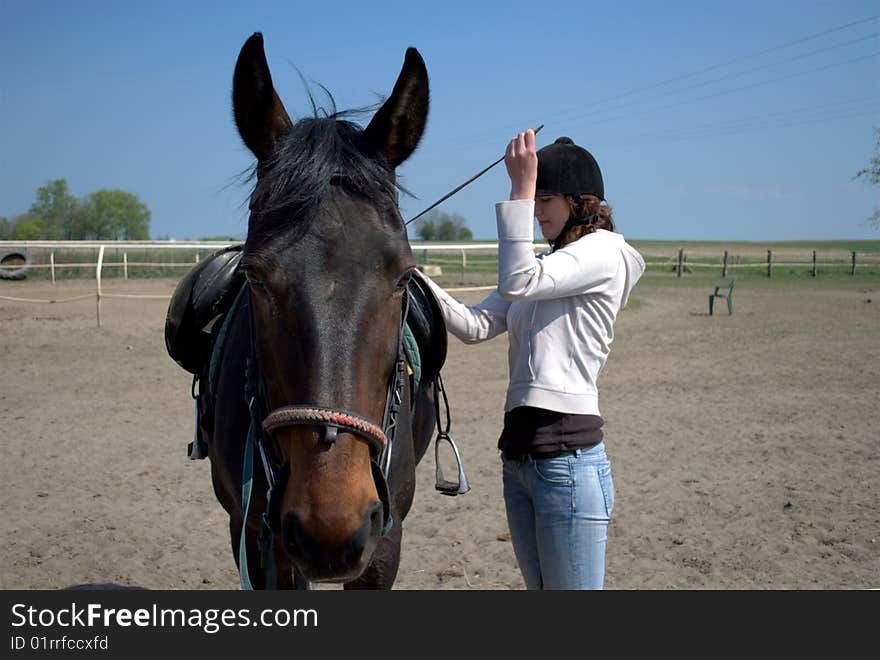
<point x="711" y="121"/>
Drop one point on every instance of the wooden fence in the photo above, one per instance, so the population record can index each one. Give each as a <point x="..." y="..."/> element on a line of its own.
<point x="472" y="263"/>
<point x="808" y="261"/>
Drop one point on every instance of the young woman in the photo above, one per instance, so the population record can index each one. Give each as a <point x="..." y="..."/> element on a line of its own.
<point x="559" y="310"/>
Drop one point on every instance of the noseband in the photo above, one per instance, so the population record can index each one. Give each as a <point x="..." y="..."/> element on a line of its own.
<point x="331" y="419"/>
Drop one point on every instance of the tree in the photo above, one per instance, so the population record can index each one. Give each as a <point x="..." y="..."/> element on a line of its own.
<point x="28" y="227"/>
<point x="426" y="230"/>
<point x="57" y="208"/>
<point x="219" y="239"/>
<point x="871" y="174"/>
<point x="56" y="214"/>
<point x="440" y="226"/>
<point x="114" y="215"/>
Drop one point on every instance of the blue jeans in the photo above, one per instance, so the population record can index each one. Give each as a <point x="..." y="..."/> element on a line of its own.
<point x="558" y="510"/>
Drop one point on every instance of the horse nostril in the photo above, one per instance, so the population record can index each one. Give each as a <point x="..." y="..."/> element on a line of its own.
<point x="376" y="516"/>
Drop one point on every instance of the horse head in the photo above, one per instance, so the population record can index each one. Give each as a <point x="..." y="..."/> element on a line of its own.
<point x="327" y="261"/>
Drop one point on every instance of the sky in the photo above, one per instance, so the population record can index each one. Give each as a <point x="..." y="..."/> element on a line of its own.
<point x="727" y="121"/>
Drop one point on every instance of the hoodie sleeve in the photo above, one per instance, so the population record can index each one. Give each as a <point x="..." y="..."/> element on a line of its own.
<point x="584" y="266"/>
<point x="472" y="324"/>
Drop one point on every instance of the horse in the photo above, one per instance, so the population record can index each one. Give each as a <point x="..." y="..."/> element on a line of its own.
<point x="312" y="380"/>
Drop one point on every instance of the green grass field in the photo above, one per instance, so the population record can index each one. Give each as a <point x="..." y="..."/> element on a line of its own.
<point x="868" y="247"/>
<point x="702" y="260"/>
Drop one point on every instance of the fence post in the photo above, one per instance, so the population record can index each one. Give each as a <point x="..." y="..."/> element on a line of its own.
<point x="98" y="280"/>
<point x="814" y="263"/>
<point x="680" y="259"/>
<point x="463" y="264"/>
<point x="197" y="257"/>
<point x="724" y="265"/>
<point x="854" y="264"/>
<point x="424" y="257"/>
<point x="52" y="264"/>
<point x="125" y="265"/>
<point x="769" y="263"/>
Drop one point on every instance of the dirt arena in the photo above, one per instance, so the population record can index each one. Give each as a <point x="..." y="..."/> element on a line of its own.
<point x="745" y="448"/>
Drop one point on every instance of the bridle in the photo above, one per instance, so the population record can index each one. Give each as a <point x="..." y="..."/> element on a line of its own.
<point x="380" y="440"/>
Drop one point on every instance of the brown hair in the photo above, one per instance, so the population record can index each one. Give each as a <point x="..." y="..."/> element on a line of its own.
<point x="590" y="205"/>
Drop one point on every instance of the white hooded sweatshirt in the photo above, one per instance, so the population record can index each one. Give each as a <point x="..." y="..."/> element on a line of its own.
<point x="558" y="309"/>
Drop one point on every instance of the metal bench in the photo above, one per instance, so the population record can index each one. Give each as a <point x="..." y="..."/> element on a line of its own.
<point x="717" y="294"/>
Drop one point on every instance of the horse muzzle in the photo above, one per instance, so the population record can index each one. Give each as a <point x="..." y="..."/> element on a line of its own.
<point x="314" y="544"/>
<point x="336" y="560"/>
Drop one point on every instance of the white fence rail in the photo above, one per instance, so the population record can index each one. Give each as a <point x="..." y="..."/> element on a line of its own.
<point x="476" y="258"/>
<point x="199" y="247"/>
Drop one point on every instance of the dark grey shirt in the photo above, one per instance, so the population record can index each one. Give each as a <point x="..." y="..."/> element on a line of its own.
<point x="529" y="430"/>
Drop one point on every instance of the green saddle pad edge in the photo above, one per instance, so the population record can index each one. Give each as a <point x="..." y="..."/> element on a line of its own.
<point x="412" y="353"/>
<point x="217" y="350"/>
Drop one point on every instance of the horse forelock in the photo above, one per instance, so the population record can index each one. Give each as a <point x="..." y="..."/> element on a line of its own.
<point x="316" y="151"/>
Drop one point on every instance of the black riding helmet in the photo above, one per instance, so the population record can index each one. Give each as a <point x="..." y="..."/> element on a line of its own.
<point x="564" y="168"/>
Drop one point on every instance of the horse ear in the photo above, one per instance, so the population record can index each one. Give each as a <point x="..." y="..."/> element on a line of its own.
<point x="259" y="114"/>
<point x="398" y="125"/>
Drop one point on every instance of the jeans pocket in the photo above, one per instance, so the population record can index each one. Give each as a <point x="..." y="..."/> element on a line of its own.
<point x="607" y="484"/>
<point x="553" y="470"/>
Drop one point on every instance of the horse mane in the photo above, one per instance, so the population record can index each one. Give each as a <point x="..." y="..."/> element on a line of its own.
<point x="316" y="150"/>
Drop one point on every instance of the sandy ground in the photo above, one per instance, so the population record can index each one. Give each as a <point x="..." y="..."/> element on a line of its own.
<point x="745" y="448"/>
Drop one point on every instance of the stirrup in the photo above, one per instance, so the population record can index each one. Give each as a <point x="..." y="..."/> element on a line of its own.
<point x="449" y="487"/>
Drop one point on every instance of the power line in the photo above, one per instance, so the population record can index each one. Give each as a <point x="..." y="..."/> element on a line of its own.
<point x="737" y="74"/>
<point x="851" y="114"/>
<point x="483" y="137"/>
<point x="871" y="100"/>
<point x="762" y="52"/>
<point x="782" y="120"/>
<point x="619" y="117"/>
<point x="730" y="91"/>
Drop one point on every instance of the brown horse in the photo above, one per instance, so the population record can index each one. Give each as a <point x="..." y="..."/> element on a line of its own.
<point x="311" y="364"/>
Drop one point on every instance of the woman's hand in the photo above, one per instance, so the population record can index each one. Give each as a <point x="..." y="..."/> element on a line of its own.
<point x="521" y="160"/>
<point x="417" y="272"/>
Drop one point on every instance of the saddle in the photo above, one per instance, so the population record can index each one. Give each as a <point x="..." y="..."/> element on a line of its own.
<point x="204" y="296"/>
